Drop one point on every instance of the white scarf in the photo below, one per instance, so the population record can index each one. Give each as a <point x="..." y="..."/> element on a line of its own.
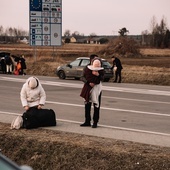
<point x="95" y="92"/>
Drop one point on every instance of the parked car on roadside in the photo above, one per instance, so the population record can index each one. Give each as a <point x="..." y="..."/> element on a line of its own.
<point x="75" y="69"/>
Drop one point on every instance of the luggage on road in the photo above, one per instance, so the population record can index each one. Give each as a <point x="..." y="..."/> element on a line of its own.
<point x="34" y="118"/>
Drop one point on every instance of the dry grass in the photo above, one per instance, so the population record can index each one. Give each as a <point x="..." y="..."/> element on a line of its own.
<point x="154" y="70"/>
<point x="155" y="52"/>
<point x="55" y="150"/>
<point x="151" y="68"/>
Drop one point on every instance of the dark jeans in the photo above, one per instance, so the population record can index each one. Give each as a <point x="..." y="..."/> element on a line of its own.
<point x="96" y="111"/>
<point x="118" y="75"/>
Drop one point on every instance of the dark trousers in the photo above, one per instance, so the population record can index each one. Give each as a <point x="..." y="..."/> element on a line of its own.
<point x="118" y="74"/>
<point x="3" y="69"/>
<point x="96" y="111"/>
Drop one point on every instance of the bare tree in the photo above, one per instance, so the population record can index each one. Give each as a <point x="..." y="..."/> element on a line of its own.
<point x="75" y="34"/>
<point x="12" y="34"/>
<point x="153" y="24"/>
<point x="159" y="33"/>
<point x="1" y="30"/>
<point x="93" y="34"/>
<point x="145" y="37"/>
<point x="67" y="33"/>
<point x="10" y="30"/>
<point x="163" y="25"/>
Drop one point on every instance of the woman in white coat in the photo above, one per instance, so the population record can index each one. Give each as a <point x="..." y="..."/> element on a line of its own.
<point x="32" y="94"/>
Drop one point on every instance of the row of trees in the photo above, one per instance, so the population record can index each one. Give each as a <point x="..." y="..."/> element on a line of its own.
<point x="158" y="37"/>
<point x="11" y="34"/>
<point x="160" y="34"/>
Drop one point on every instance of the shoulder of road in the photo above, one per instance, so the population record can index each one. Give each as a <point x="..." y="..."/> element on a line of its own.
<point x="145" y="137"/>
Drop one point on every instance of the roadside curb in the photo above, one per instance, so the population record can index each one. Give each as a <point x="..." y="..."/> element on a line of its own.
<point x="144" y="137"/>
<point x="114" y="133"/>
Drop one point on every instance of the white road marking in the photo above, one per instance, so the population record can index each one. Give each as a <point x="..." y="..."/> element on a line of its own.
<point x="10" y="113"/>
<point x="136" y="100"/>
<point x="107" y="88"/>
<point x="118" y="128"/>
<point x="112" y="109"/>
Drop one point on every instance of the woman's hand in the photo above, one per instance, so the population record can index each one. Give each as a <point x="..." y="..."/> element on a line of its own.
<point x="40" y="106"/>
<point x="92" y="84"/>
<point x="96" y="73"/>
<point x="26" y="108"/>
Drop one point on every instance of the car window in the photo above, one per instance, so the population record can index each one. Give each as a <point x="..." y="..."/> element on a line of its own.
<point x="106" y="64"/>
<point x="84" y="63"/>
<point x="75" y="63"/>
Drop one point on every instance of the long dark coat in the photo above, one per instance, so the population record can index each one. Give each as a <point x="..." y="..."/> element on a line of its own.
<point x="85" y="92"/>
<point x="117" y="63"/>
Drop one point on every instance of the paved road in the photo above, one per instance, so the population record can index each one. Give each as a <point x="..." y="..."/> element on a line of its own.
<point x="131" y="112"/>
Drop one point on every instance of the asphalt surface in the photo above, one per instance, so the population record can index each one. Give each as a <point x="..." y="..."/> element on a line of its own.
<point x="123" y="130"/>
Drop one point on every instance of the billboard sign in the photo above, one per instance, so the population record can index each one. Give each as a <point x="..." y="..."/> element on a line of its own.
<point x="45" y="22"/>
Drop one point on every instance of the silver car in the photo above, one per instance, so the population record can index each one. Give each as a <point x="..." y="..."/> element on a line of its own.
<point x="75" y="69"/>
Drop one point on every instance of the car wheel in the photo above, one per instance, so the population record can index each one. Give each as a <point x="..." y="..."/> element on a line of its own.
<point x="106" y="79"/>
<point x="77" y="78"/>
<point x="61" y="75"/>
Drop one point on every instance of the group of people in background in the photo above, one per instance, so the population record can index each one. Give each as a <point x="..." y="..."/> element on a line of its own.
<point x="20" y="65"/>
<point x="13" y="65"/>
<point x="7" y="64"/>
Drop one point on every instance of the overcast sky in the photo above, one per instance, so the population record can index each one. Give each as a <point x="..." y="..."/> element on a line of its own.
<point x="102" y="17"/>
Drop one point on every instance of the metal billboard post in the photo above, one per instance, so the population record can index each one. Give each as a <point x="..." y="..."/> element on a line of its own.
<point x="35" y="53"/>
<point x="53" y="52"/>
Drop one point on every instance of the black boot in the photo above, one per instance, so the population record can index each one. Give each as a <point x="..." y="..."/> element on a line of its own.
<point x="85" y="124"/>
<point x="87" y="115"/>
<point x="94" y="125"/>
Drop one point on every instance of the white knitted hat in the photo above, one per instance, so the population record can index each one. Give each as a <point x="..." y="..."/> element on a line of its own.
<point x="33" y="82"/>
<point x="96" y="65"/>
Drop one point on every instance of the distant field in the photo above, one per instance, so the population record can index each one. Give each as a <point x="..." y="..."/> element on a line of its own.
<point x="156" y="52"/>
<point x="79" y="48"/>
<point x="152" y="68"/>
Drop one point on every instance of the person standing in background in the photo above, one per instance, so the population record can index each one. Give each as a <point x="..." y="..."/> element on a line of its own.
<point x="117" y="66"/>
<point x="9" y="63"/>
<point x="23" y="65"/>
<point x="3" y="65"/>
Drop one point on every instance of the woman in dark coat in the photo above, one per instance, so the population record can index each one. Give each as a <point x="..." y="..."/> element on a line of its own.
<point x="3" y="65"/>
<point x="23" y="65"/>
<point x="90" y="90"/>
